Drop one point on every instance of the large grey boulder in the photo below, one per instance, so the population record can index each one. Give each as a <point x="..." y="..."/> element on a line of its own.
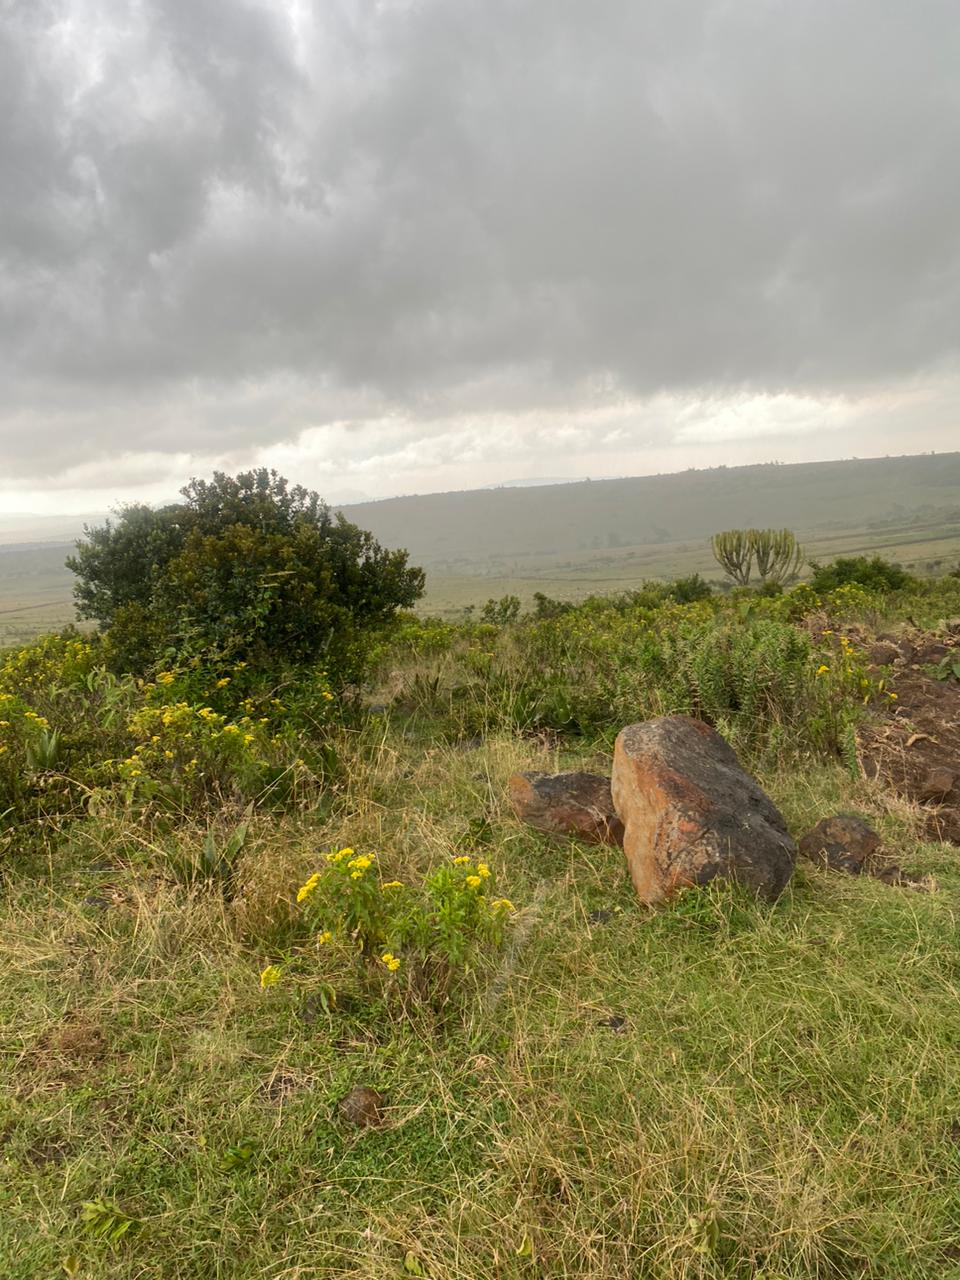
<point x="691" y="813"/>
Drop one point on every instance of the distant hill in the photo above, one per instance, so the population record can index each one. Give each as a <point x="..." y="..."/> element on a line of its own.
<point x="466" y="529"/>
<point x="579" y="537"/>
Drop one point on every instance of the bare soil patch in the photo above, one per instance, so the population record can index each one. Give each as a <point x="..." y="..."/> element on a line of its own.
<point x="915" y="747"/>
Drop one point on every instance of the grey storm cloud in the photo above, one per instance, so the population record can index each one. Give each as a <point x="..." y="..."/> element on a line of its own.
<point x="224" y="222"/>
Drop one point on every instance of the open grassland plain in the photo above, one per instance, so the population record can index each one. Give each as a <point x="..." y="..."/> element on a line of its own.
<point x="594" y="538"/>
<point x="36" y="590"/>
<point x="715" y="1088"/>
<point x="920" y="546"/>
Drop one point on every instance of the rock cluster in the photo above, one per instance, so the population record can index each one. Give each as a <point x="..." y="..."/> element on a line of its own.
<point x="685" y="811"/>
<point x="679" y="803"/>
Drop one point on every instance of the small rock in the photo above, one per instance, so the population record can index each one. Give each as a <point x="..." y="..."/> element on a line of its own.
<point x="577" y="804"/>
<point x="937" y="784"/>
<point x="280" y="1086"/>
<point x="691" y="813"/>
<point x="362" y="1106"/>
<point x="842" y="843"/>
<point x="900" y="879"/>
<point x="614" y="1023"/>
<point x="602" y="916"/>
<point x="931" y="651"/>
<point x="890" y="874"/>
<point x="884" y="653"/>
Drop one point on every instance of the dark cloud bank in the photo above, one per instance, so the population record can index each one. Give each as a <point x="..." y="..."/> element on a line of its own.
<point x="223" y="223"/>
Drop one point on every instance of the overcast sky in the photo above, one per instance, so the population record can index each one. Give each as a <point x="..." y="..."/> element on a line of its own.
<point x="396" y="246"/>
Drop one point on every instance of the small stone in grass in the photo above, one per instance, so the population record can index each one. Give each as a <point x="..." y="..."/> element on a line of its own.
<point x="602" y="916"/>
<point x="362" y="1106"/>
<point x="937" y="784"/>
<point x="614" y="1023"/>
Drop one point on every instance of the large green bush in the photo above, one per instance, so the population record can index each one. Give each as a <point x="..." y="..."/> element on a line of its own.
<point x="244" y="569"/>
<point x="876" y="574"/>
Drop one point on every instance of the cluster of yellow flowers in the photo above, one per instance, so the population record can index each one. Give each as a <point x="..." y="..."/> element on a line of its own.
<point x="359" y="865"/>
<point x="477" y="876"/>
<point x="846" y="667"/>
<point x="306" y="889"/>
<point x="366" y="923"/>
<point x="51" y="661"/>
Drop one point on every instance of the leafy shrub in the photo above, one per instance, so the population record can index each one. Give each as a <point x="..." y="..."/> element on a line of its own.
<point x="244" y="569"/>
<point x="501" y="612"/>
<point x="689" y="590"/>
<point x="741" y="665"/>
<point x="74" y="736"/>
<point x="874" y="574"/>
<point x="425" y="936"/>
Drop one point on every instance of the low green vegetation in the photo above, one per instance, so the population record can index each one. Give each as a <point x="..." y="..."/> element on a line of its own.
<point x="238" y="885"/>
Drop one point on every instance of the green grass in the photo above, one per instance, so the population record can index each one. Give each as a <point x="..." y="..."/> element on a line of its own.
<point x="781" y="1100"/>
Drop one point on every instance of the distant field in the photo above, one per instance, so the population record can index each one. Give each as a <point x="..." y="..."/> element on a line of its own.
<point x="574" y="540"/>
<point x="924" y="548"/>
<point x="35" y="590"/>
<point x="35" y="587"/>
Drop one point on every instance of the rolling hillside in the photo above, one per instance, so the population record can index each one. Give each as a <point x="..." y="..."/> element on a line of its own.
<point x="466" y="529"/>
<point x="605" y="535"/>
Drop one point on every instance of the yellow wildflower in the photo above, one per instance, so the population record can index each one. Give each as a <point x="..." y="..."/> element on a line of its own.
<point x="391" y="961"/>
<point x="892" y="697"/>
<point x="222" y="684"/>
<point x="339" y="855"/>
<point x="248" y="738"/>
<point x="325" y="937"/>
<point x="360" y="863"/>
<point x="168" y="755"/>
<point x="393" y="884"/>
<point x="206" y="713"/>
<point x="230" y="728"/>
<point x="483" y="870"/>
<point x="502" y="904"/>
<point x="474" y="882"/>
<point x="461" y="861"/>
<point x="165" y="677"/>
<point x="822" y="670"/>
<point x="356" y="875"/>
<point x="269" y="977"/>
<point x="305" y="890"/>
